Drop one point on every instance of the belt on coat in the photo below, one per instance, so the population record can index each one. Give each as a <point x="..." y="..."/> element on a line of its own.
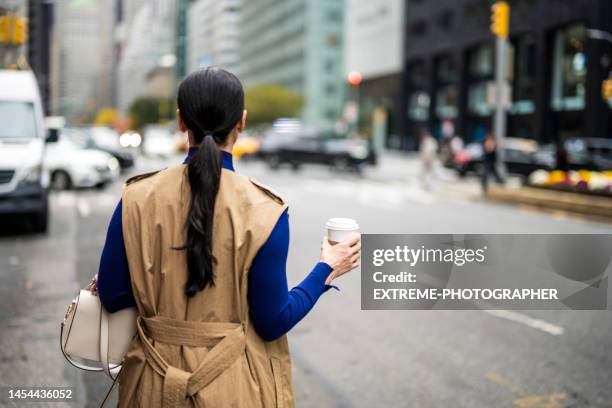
<point x="226" y="342"/>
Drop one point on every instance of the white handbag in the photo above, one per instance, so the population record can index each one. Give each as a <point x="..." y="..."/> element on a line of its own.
<point x="90" y="332"/>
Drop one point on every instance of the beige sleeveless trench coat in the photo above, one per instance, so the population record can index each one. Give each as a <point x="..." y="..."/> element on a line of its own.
<point x="200" y="351"/>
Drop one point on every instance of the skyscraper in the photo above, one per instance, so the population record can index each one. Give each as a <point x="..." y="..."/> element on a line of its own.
<point x="149" y="41"/>
<point x="298" y="44"/>
<point x="82" y="58"/>
<point x="214" y="36"/>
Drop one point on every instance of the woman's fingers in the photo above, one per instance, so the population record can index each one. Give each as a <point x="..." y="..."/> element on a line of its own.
<point x="354" y="239"/>
<point x="355" y="249"/>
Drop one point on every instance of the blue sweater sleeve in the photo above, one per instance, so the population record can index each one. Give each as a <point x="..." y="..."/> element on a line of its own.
<point x="114" y="285"/>
<point x="275" y="309"/>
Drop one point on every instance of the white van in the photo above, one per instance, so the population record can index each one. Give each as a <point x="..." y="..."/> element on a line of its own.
<point x="24" y="180"/>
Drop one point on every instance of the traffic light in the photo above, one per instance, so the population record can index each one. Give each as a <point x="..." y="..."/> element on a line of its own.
<point x="606" y="89"/>
<point x="500" y="19"/>
<point x="20" y="30"/>
<point x="5" y="29"/>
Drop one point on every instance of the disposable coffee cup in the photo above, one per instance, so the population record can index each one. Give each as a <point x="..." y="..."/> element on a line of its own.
<point x="339" y="229"/>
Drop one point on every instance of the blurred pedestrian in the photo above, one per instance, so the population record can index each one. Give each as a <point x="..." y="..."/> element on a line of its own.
<point x="428" y="149"/>
<point x="489" y="162"/>
<point x="201" y="251"/>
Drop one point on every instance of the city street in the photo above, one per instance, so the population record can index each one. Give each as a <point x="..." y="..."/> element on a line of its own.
<point x="342" y="356"/>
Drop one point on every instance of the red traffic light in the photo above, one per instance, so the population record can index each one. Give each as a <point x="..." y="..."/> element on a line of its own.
<point x="354" y="78"/>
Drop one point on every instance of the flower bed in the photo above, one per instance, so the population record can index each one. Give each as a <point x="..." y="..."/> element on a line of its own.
<point x="581" y="181"/>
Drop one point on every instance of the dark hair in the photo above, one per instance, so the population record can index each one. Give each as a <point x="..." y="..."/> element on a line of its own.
<point x="211" y="103"/>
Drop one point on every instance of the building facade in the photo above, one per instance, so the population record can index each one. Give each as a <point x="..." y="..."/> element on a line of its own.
<point x="214" y="34"/>
<point x="297" y="44"/>
<point x="373" y="48"/>
<point x="148" y="44"/>
<point x="82" y="58"/>
<point x="555" y="70"/>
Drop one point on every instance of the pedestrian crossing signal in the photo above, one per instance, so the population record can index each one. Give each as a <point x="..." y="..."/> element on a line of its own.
<point x="500" y="19"/>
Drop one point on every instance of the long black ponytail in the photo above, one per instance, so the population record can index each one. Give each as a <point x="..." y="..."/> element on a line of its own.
<point x="211" y="104"/>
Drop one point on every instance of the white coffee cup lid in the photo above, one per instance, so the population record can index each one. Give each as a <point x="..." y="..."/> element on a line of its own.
<point x="342" y="224"/>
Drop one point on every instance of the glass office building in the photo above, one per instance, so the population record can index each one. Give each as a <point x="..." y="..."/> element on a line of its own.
<point x="297" y="44"/>
<point x="555" y="70"/>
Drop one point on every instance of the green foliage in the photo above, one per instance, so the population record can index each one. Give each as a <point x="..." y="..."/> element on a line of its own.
<point x="145" y="111"/>
<point x="265" y="103"/>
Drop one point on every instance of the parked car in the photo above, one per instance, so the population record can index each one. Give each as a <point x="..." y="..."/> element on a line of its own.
<point x="24" y="179"/>
<point x="107" y="140"/>
<point x="72" y="166"/>
<point x="158" y="142"/>
<point x="302" y="146"/>
<point x="582" y="154"/>
<point x="520" y="158"/>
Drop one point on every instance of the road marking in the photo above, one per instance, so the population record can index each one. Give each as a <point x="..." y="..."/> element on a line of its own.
<point x="83" y="208"/>
<point x="528" y="321"/>
<point x="525" y="400"/>
<point x="373" y="194"/>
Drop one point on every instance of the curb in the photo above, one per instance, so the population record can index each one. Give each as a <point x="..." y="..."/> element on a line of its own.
<point x="556" y="200"/>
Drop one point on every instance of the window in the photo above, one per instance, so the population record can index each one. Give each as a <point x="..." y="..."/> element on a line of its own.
<point x="569" y="69"/>
<point x="447" y="95"/>
<point x="334" y="16"/>
<point x="523" y="74"/>
<point x="18" y="120"/>
<point x="418" y="99"/>
<point x="418" y="29"/>
<point x="480" y="70"/>
<point x="445" y="20"/>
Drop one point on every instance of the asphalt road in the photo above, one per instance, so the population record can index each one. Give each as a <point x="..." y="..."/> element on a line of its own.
<point x="343" y="357"/>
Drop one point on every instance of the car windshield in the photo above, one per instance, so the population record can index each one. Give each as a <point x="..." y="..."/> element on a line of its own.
<point x="18" y="120"/>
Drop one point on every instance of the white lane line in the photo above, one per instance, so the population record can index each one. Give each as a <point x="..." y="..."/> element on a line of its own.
<point x="83" y="208"/>
<point x="528" y="321"/>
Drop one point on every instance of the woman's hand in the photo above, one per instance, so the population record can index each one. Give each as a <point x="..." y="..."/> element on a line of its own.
<point x="343" y="257"/>
<point x="93" y="285"/>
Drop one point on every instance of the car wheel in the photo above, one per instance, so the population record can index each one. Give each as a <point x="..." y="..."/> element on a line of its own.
<point x="295" y="166"/>
<point x="342" y="164"/>
<point x="60" y="180"/>
<point x="101" y="185"/>
<point x="273" y="161"/>
<point x="40" y="220"/>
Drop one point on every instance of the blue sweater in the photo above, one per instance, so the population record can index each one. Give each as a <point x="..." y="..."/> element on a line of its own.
<point x="274" y="309"/>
